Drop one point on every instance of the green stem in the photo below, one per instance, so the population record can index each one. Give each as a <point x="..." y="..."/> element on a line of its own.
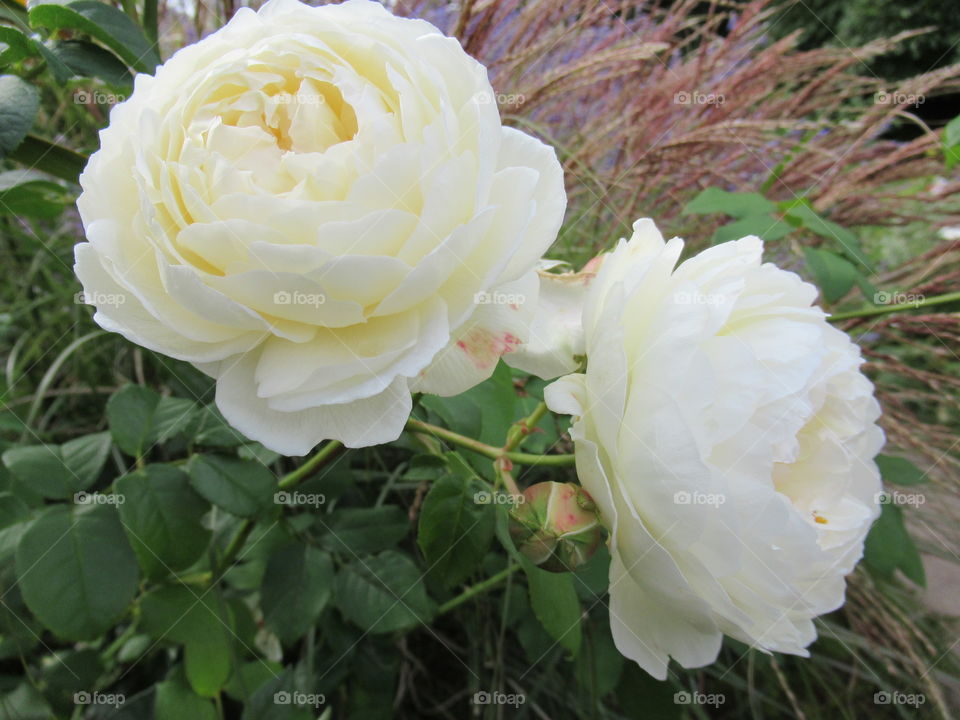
<point x="519" y="431"/>
<point x="286" y="482"/>
<point x="325" y="453"/>
<point x="494" y="453"/>
<point x="885" y="309"/>
<point x="479" y="588"/>
<point x="234" y="548"/>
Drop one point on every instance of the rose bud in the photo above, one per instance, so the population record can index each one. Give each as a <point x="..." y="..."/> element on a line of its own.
<point x="555" y="525"/>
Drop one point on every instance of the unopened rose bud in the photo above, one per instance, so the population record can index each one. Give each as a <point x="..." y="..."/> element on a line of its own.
<point x="556" y="526"/>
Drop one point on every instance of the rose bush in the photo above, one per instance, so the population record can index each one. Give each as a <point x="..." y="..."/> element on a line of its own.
<point x="315" y="206"/>
<point x="727" y="436"/>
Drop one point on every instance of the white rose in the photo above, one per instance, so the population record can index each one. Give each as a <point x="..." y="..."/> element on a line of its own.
<point x="727" y="435"/>
<point x="306" y="205"/>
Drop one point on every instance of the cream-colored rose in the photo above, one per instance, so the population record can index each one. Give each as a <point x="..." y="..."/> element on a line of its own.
<point x="315" y="206"/>
<point x="727" y="436"/>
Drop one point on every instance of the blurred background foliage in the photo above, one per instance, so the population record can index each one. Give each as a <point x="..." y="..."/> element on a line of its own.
<point x="802" y="122"/>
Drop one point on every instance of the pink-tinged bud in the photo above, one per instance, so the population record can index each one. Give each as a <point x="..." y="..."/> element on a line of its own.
<point x="556" y="526"/>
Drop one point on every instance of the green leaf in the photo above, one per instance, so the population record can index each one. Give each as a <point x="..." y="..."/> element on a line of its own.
<point x="19" y="101"/>
<point x="834" y="275"/>
<point x="202" y="623"/>
<point x="105" y="23"/>
<point x="26" y="192"/>
<point x="455" y="531"/>
<point x="76" y="570"/>
<point x="599" y="664"/>
<point x="889" y="547"/>
<point x="264" y="704"/>
<point x="248" y="677"/>
<point x="207" y="661"/>
<point x="70" y="671"/>
<point x="162" y="517"/>
<point x="951" y="142"/>
<point x="735" y="204"/>
<point x="356" y="531"/>
<point x="766" y="227"/>
<point x="139" y="418"/>
<point x="555" y="603"/>
<point x="383" y="594"/>
<point x="295" y="590"/>
<point x="900" y="471"/>
<point x="92" y="61"/>
<point x="60" y="471"/>
<point x="61" y="73"/>
<point x="808" y="218"/>
<point x="214" y="431"/>
<point x="640" y="695"/>
<point x="175" y="701"/>
<point x="54" y="159"/>
<point x="15" y="45"/>
<point x="241" y="487"/>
